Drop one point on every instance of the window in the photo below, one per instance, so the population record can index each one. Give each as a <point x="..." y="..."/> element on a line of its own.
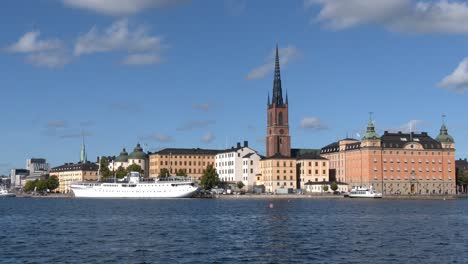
<point x="280" y="118"/>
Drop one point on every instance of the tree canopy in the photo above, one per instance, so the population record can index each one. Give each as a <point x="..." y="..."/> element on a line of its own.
<point x="104" y="167"/>
<point x="52" y="183"/>
<point x="29" y="186"/>
<point x="210" y="178"/>
<point x="334" y="186"/>
<point x="134" y="167"/>
<point x="325" y="188"/>
<point x="240" y="184"/>
<point x="164" y="173"/>
<point x="121" y="172"/>
<point x="41" y="185"/>
<point x="181" y="172"/>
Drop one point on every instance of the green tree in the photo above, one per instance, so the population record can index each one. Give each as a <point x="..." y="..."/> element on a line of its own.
<point x="41" y="185"/>
<point x="120" y="173"/>
<point x="52" y="183"/>
<point x="462" y="179"/>
<point x="29" y="186"/>
<point x="334" y="186"/>
<point x="104" y="167"/>
<point x="240" y="184"/>
<point x="325" y="188"/>
<point x="181" y="172"/>
<point x="164" y="173"/>
<point x="210" y="178"/>
<point x="134" y="167"/>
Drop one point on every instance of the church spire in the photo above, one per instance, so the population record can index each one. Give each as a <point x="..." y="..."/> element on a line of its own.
<point x="277" y="90"/>
<point x="83" y="157"/>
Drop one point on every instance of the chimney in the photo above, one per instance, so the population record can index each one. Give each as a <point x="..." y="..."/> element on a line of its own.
<point x="246" y="144"/>
<point x="238" y="145"/>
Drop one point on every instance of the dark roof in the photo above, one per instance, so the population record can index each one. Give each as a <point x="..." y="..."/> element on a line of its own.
<point x="352" y="146"/>
<point x="186" y="151"/>
<point x="462" y="164"/>
<point x="309" y="156"/>
<point x="333" y="147"/>
<point x="278" y="156"/>
<point x="76" y="166"/>
<point x="248" y="155"/>
<point x="398" y="140"/>
<point x="297" y="153"/>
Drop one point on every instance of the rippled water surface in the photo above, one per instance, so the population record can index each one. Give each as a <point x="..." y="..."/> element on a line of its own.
<point x="232" y="231"/>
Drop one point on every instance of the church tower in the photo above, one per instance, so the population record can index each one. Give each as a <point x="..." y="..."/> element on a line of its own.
<point x="278" y="140"/>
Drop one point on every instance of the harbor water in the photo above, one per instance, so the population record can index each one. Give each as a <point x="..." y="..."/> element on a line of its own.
<point x="233" y="231"/>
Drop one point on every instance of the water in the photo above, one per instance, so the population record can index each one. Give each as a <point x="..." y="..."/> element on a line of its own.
<point x="232" y="231"/>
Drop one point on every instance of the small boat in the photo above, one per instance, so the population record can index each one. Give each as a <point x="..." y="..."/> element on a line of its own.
<point x="4" y="193"/>
<point x="360" y="192"/>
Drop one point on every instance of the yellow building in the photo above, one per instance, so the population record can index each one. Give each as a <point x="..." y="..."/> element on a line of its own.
<point x="192" y="161"/>
<point x="277" y="172"/>
<point x="74" y="172"/>
<point x="313" y="168"/>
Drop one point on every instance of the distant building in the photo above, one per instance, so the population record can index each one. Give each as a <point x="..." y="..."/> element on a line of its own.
<point x="37" y="167"/>
<point x="462" y="164"/>
<point x="18" y="177"/>
<point x="138" y="156"/>
<point x="74" y="172"/>
<point x="396" y="163"/>
<point x="239" y="163"/>
<point x="192" y="161"/>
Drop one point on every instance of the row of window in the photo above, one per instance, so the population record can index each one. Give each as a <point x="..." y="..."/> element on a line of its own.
<point x="412" y="169"/>
<point x="412" y="161"/>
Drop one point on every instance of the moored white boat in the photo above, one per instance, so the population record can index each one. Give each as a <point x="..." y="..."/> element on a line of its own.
<point x="134" y="188"/>
<point x="5" y="193"/>
<point x="360" y="192"/>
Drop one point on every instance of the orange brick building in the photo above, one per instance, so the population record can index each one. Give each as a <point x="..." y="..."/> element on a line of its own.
<point x="396" y="163"/>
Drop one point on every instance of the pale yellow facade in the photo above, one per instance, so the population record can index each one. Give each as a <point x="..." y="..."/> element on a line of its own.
<point x="277" y="173"/>
<point x="194" y="163"/>
<point x="70" y="174"/>
<point x="313" y="170"/>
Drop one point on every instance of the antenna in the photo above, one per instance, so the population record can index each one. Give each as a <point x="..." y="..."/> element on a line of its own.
<point x="443" y="118"/>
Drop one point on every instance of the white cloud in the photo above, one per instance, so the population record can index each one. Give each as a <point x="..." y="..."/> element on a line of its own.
<point x="117" y="37"/>
<point x="120" y="7"/>
<point x="190" y="125"/>
<point x="313" y="123"/>
<point x="285" y="54"/>
<point x="142" y="47"/>
<point x="142" y="59"/>
<point x="30" y="42"/>
<point x="205" y="107"/>
<point x="163" y="138"/>
<point x="39" y="52"/>
<point x="458" y="79"/>
<point x="208" y="137"/>
<point x="440" y="16"/>
<point x="411" y="126"/>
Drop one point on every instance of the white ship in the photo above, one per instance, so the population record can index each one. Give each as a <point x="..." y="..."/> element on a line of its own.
<point x="364" y="193"/>
<point x="134" y="188"/>
<point x="4" y="193"/>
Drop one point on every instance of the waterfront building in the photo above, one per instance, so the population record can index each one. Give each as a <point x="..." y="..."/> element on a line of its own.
<point x="74" y="172"/>
<point x="18" y="177"/>
<point x="37" y="167"/>
<point x="395" y="163"/>
<point x="192" y="161"/>
<point x="462" y="164"/>
<point x="138" y="156"/>
<point x="239" y="163"/>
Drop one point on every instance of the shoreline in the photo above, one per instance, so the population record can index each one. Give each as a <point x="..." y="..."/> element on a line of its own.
<point x="283" y="196"/>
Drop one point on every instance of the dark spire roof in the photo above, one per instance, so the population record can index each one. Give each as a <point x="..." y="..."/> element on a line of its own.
<point x="277" y="90"/>
<point x="444" y="136"/>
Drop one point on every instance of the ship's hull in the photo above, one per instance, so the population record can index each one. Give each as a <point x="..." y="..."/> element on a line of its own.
<point x="6" y="195"/>
<point x="375" y="195"/>
<point x="136" y="191"/>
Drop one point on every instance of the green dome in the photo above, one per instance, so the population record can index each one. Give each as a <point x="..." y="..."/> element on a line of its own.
<point x="370" y="132"/>
<point x="137" y="153"/>
<point x="123" y="157"/>
<point x="444" y="136"/>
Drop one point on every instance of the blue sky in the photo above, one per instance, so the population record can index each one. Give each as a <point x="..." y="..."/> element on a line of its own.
<point x="197" y="73"/>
